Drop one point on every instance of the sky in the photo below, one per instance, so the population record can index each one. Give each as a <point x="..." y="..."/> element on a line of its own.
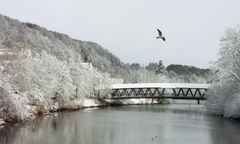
<point x="127" y="28"/>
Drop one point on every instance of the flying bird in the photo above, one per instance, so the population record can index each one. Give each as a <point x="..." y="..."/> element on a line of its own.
<point x="160" y="35"/>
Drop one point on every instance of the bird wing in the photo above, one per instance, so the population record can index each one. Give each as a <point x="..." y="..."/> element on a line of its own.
<point x="163" y="38"/>
<point x="159" y="32"/>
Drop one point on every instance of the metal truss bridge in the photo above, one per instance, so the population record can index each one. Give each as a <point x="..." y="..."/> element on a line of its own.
<point x="186" y="91"/>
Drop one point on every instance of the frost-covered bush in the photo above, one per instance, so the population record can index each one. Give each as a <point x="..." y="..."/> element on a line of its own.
<point x="224" y="95"/>
<point x="31" y="86"/>
<point x="13" y="106"/>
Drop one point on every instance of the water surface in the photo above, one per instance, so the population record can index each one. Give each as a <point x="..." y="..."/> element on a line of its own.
<point x="142" y="124"/>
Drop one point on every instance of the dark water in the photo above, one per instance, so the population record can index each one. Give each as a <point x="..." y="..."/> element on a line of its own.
<point x="151" y="124"/>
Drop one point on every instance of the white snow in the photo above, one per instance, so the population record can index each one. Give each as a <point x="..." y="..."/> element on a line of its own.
<point x="89" y="103"/>
<point x="5" y="52"/>
<point x="160" y="85"/>
<point x="138" y="101"/>
<point x="1" y="122"/>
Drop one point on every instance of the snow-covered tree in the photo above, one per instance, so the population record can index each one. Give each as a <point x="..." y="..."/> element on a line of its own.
<point x="224" y="96"/>
<point x="32" y="86"/>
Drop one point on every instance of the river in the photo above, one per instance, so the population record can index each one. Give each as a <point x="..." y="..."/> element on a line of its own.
<point x="138" y="124"/>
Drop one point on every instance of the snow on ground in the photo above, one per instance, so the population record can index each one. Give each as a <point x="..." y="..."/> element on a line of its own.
<point x="160" y="85"/>
<point x="89" y="103"/>
<point x="1" y="122"/>
<point x="85" y="103"/>
<point x="138" y="101"/>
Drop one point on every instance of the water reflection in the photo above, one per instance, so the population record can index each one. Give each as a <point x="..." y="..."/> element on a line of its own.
<point x="228" y="132"/>
<point x="170" y="124"/>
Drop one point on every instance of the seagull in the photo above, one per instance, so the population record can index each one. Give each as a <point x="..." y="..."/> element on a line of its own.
<point x="160" y="35"/>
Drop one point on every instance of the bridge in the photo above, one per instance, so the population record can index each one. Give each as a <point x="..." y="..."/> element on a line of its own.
<point x="185" y="91"/>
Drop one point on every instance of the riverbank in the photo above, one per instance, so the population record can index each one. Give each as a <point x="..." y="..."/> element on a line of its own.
<point x="39" y="111"/>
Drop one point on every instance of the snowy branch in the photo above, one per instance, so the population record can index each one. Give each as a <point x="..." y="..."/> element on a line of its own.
<point x="229" y="71"/>
<point x="236" y="60"/>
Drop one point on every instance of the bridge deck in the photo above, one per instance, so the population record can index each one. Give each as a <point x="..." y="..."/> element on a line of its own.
<point x="160" y="85"/>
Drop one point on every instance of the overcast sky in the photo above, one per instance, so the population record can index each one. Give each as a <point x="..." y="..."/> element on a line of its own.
<point x="127" y="28"/>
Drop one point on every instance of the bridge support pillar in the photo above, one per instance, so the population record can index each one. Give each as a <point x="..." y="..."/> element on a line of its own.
<point x="198" y="101"/>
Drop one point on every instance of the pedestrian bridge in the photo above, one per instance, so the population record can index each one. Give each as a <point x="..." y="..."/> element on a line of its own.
<point x="192" y="91"/>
